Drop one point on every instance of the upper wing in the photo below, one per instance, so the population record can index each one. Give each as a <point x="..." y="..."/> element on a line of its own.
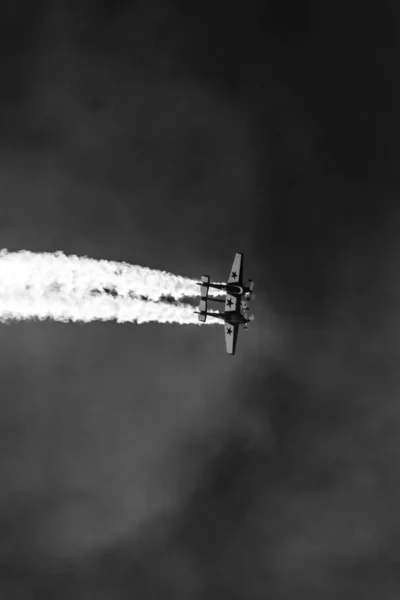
<point x="231" y="333"/>
<point x="236" y="274"/>
<point x="231" y="303"/>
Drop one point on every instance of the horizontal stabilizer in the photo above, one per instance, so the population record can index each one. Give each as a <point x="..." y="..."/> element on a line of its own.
<point x="205" y="282"/>
<point x="203" y="305"/>
<point x="202" y="311"/>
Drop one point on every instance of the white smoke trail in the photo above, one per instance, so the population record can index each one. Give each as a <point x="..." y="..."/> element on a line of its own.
<point x="53" y="286"/>
<point x="78" y="275"/>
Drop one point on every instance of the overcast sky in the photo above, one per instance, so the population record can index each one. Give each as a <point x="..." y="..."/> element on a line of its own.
<point x="142" y="461"/>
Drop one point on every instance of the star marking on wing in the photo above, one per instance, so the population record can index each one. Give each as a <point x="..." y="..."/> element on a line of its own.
<point x="229" y="331"/>
<point x="234" y="274"/>
<point x="229" y="302"/>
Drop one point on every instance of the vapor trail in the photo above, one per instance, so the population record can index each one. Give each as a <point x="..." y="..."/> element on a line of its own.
<point x="53" y="286"/>
<point x="78" y="275"/>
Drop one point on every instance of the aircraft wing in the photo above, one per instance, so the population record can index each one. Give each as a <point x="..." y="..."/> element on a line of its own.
<point x="236" y="274"/>
<point x="231" y="303"/>
<point x="231" y="333"/>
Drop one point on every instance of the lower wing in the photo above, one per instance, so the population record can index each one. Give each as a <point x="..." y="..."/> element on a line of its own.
<point x="231" y="333"/>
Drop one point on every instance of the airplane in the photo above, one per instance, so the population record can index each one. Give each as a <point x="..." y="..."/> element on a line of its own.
<point x="234" y="316"/>
<point x="234" y="285"/>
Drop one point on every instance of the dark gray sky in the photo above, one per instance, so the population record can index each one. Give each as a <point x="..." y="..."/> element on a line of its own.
<point x="141" y="461"/>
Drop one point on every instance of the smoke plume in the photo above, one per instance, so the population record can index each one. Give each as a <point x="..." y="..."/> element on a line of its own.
<point x="71" y="288"/>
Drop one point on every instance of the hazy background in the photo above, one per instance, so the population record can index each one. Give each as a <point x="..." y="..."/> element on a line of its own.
<point x="142" y="461"/>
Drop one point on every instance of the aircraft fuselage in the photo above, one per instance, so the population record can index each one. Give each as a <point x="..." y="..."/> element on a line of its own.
<point x="235" y="318"/>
